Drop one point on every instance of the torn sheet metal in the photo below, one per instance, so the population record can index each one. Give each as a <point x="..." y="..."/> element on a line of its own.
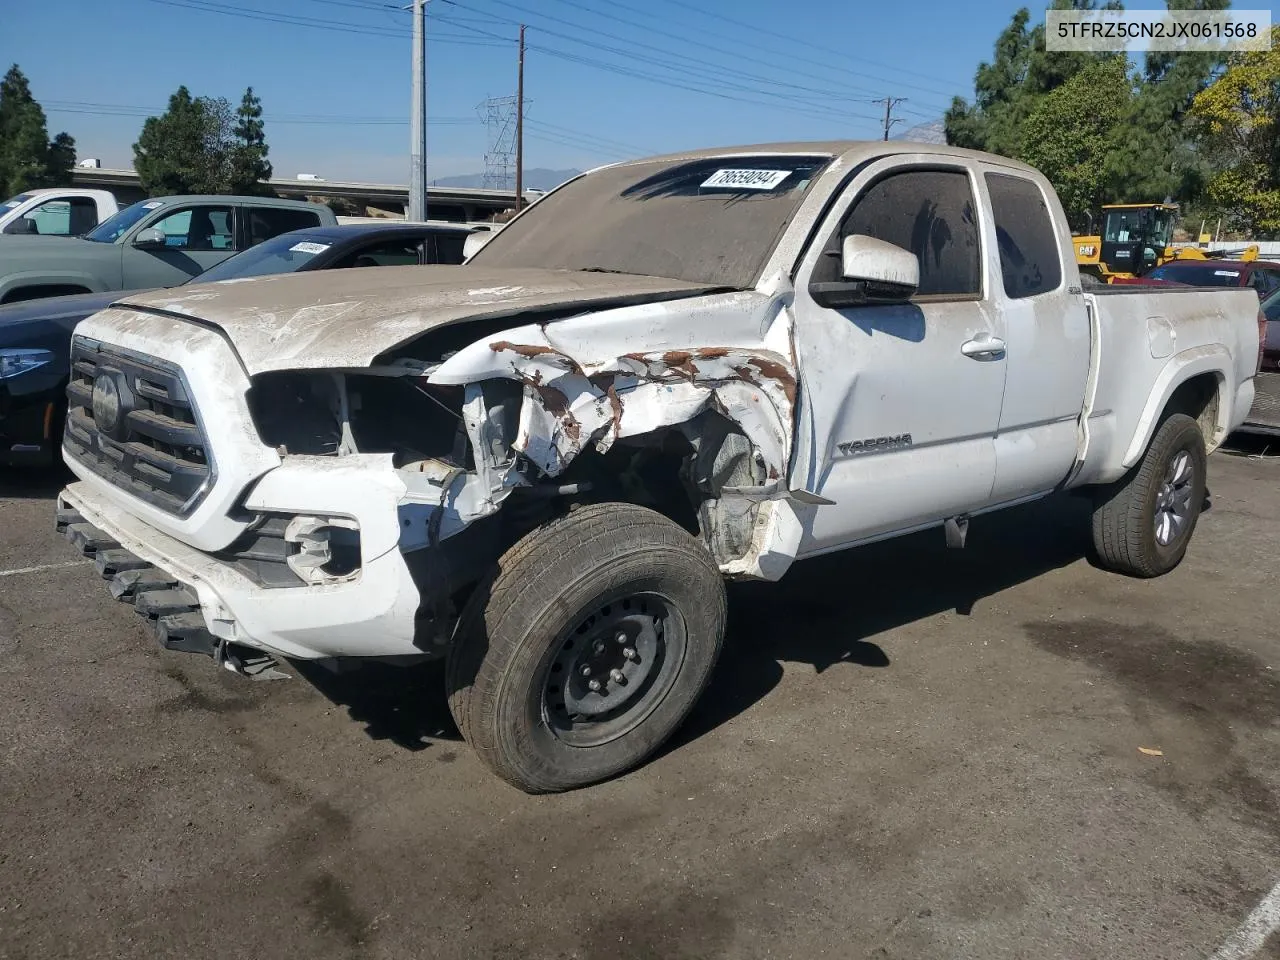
<point x="570" y="406"/>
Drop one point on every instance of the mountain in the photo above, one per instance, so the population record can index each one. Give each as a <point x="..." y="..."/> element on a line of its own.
<point x="932" y="132"/>
<point x="538" y="178"/>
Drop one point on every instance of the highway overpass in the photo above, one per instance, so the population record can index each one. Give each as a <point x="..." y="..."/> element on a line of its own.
<point x="459" y="204"/>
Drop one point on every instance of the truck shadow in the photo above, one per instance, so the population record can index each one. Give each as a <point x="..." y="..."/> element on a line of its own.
<point x="402" y="705"/>
<point x="33" y="483"/>
<point x="821" y="614"/>
<point x="825" y="610"/>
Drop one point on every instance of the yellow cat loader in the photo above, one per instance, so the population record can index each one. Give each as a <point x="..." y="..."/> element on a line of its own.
<point x="1136" y="237"/>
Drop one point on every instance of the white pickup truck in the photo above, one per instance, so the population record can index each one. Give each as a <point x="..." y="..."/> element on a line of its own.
<point x="541" y="465"/>
<point x="57" y="211"/>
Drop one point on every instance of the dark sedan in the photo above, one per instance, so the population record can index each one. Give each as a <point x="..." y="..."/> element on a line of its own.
<point x="35" y="335"/>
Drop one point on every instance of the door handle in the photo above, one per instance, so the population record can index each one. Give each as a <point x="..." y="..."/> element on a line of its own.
<point x="983" y="348"/>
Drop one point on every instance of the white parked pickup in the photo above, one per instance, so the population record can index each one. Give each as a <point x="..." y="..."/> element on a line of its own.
<point x="542" y="464"/>
<point x="57" y="211"/>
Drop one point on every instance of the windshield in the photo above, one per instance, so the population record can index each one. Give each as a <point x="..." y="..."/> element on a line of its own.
<point x="1138" y="226"/>
<point x="1198" y="276"/>
<point x="711" y="221"/>
<point x="111" y="229"/>
<point x="14" y="202"/>
<point x="283" y="254"/>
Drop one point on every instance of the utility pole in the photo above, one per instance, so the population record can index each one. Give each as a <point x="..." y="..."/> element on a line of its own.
<point x="889" y="104"/>
<point x="418" y="121"/>
<point x="520" y="127"/>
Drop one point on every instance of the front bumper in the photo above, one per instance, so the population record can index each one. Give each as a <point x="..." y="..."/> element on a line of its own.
<point x="194" y="599"/>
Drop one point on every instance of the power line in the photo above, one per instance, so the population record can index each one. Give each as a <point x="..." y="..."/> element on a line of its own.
<point x="808" y="43"/>
<point x="314" y="23"/>
<point x="702" y="45"/>
<point x="131" y="110"/>
<point x="682" y="62"/>
<point x="615" y="68"/>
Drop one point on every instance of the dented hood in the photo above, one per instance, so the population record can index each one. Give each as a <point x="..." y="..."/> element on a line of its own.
<point x="347" y="318"/>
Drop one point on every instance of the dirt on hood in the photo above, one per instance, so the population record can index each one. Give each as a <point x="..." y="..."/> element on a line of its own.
<point x="347" y="318"/>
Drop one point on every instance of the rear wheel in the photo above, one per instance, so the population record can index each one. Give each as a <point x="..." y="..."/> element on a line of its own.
<point x="1143" y="523"/>
<point x="587" y="648"/>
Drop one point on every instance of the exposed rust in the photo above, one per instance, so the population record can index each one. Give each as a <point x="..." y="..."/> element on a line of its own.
<point x="681" y="361"/>
<point x="616" y="403"/>
<point x="778" y="373"/>
<point x="604" y="382"/>
<point x="530" y="350"/>
<point x="557" y="404"/>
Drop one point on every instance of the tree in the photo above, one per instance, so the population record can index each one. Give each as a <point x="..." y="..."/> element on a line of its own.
<point x="1007" y="89"/>
<point x="1156" y="159"/>
<point x="27" y="157"/>
<point x="1236" y="122"/>
<point x="1071" y="131"/>
<point x="199" y="146"/>
<point x="1135" y="144"/>
<point x="250" y="168"/>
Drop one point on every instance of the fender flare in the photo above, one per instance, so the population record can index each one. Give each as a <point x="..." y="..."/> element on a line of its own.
<point x="34" y="278"/>
<point x="1181" y="367"/>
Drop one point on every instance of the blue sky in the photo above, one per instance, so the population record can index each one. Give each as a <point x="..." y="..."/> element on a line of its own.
<point x="605" y="78"/>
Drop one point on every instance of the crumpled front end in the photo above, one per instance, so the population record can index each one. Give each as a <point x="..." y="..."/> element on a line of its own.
<point x="349" y="512"/>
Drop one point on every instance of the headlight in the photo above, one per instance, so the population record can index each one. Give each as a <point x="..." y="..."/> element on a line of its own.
<point x="16" y="360"/>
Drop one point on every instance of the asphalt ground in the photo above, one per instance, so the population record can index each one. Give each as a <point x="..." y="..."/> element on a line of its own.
<point x="906" y="752"/>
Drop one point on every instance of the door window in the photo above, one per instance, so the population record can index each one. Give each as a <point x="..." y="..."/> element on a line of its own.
<point x="198" y="228"/>
<point x="64" y="217"/>
<point x="446" y="247"/>
<point x="928" y="212"/>
<point x="268" y="222"/>
<point x="1030" y="261"/>
<point x="1264" y="281"/>
<point x="385" y="253"/>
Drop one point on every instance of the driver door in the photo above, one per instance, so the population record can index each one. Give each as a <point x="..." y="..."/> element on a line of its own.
<point x="196" y="238"/>
<point x="900" y="403"/>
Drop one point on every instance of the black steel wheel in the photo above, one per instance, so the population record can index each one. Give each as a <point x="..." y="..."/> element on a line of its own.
<point x="587" y="648"/>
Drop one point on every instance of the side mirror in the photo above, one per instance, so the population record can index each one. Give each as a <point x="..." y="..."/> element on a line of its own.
<point x="474" y="241"/>
<point x="151" y="238"/>
<point x="23" y="226"/>
<point x="872" y="271"/>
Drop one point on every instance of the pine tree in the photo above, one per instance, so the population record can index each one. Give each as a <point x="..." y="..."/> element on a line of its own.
<point x="184" y="149"/>
<point x="250" y="168"/>
<point x="27" y="158"/>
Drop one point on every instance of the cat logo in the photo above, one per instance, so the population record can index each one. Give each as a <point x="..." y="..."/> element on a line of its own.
<point x="1086" y="250"/>
<point x="856" y="448"/>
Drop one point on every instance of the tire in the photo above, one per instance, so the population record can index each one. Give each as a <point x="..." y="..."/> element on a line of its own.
<point x="561" y="600"/>
<point x="1126" y="535"/>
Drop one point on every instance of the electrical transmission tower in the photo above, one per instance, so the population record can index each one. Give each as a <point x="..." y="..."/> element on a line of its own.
<point x="499" y="116"/>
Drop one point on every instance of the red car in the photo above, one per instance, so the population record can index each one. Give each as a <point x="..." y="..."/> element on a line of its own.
<point x="1262" y="275"/>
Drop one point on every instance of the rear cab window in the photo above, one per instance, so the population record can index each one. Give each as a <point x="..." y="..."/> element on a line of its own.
<point x="1030" y="255"/>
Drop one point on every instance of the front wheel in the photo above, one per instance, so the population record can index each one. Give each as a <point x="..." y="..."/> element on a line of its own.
<point x="587" y="648"/>
<point x="1143" y="522"/>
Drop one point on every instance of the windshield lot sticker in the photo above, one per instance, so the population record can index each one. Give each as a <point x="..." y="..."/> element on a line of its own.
<point x="153" y="204"/>
<point x="306" y="246"/>
<point x="746" y="179"/>
<point x="1226" y="273"/>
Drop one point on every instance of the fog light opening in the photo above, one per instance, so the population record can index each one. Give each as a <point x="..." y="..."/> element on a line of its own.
<point x="323" y="549"/>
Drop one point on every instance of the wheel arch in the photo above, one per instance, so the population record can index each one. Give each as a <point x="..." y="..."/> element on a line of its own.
<point x="1194" y="382"/>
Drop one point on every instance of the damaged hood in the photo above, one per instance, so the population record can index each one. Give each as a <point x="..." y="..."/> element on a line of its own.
<point x="347" y="318"/>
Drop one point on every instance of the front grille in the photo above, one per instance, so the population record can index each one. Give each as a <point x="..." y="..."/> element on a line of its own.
<point x="155" y="449"/>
